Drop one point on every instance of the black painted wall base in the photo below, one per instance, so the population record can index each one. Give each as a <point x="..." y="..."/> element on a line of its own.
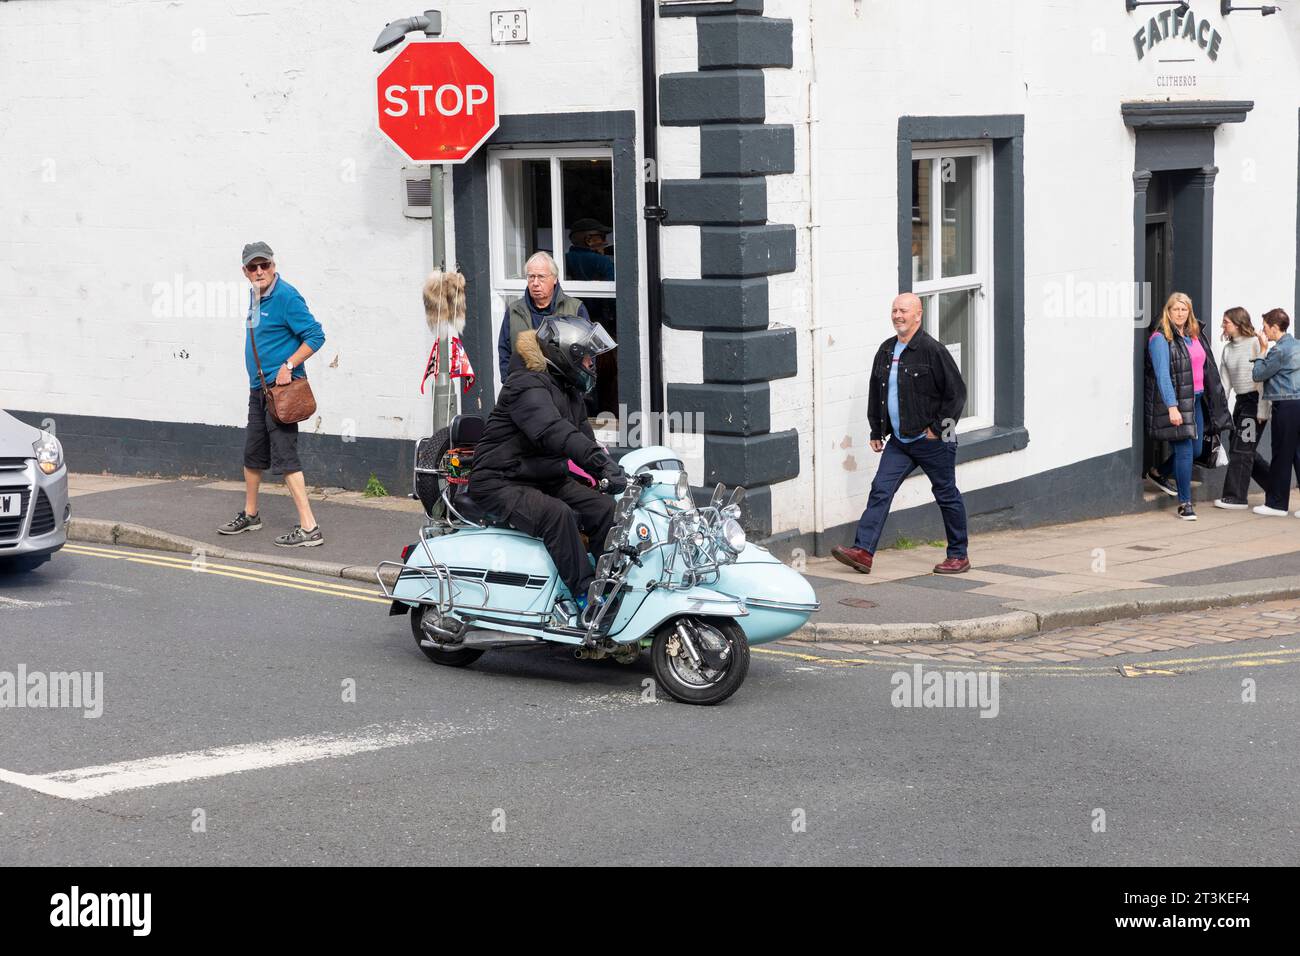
<point x="1095" y="488"/>
<point x="125" y="446"/>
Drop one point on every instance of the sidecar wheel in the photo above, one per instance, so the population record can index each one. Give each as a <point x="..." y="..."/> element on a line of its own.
<point x="705" y="686"/>
<point x="462" y="657"/>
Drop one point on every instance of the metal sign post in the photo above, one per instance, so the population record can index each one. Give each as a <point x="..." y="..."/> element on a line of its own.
<point x="444" y="394"/>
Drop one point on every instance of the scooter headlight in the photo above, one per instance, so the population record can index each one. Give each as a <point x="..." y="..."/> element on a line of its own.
<point x="682" y="492"/>
<point x="48" y="452"/>
<point x="733" y="536"/>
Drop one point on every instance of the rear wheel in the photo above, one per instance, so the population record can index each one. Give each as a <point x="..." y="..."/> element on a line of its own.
<point x="723" y="664"/>
<point x="450" y="656"/>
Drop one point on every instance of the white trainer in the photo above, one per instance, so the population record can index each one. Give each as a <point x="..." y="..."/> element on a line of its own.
<point x="1268" y="512"/>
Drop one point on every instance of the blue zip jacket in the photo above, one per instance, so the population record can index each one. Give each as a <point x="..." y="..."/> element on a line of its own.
<point x="1279" y="370"/>
<point x="285" y="323"/>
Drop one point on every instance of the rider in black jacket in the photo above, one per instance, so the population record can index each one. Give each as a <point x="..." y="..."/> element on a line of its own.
<point x="521" y="464"/>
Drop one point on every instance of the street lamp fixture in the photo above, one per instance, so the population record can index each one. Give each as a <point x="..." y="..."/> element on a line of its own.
<point x="394" y="33"/>
<point x="1226" y="7"/>
<point x="1181" y="9"/>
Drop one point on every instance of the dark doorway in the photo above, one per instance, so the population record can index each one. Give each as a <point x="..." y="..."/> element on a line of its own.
<point x="1175" y="234"/>
<point x="1159" y="278"/>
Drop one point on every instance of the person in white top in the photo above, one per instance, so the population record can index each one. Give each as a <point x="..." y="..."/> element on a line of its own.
<point x="1240" y="348"/>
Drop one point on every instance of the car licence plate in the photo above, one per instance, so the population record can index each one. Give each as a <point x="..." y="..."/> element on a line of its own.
<point x="10" y="504"/>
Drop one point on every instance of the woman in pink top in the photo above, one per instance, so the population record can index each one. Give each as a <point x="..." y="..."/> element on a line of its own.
<point x="1183" y="393"/>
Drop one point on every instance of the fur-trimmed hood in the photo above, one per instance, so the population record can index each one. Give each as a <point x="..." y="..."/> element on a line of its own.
<point x="530" y="351"/>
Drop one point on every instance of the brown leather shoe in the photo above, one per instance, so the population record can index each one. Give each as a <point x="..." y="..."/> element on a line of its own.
<point x="953" y="566"/>
<point x="859" y="559"/>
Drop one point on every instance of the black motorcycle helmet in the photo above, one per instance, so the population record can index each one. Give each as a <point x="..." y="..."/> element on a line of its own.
<point x="570" y="345"/>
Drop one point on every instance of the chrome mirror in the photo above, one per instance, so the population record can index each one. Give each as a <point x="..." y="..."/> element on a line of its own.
<point x="737" y="496"/>
<point x="718" y="494"/>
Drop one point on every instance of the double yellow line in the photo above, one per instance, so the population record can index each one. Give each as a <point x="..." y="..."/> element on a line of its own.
<point x="1161" y="668"/>
<point x="200" y="565"/>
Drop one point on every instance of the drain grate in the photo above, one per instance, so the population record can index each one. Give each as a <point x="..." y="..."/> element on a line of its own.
<point x="858" y="602"/>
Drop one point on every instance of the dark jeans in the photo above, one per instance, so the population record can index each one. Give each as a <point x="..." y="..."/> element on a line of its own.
<point x="1286" y="453"/>
<point x="938" y="459"/>
<point x="1243" y="462"/>
<point x="555" y="513"/>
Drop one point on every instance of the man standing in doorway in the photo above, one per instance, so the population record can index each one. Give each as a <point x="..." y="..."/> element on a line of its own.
<point x="917" y="395"/>
<point x="543" y="297"/>
<point x="287" y="334"/>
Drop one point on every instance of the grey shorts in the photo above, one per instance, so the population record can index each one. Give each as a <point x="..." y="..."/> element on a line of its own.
<point x="267" y="443"/>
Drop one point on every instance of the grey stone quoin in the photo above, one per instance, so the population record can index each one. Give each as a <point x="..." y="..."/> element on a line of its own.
<point x="739" y="248"/>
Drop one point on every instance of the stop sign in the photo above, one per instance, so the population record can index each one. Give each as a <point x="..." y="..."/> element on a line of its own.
<point x="437" y="103"/>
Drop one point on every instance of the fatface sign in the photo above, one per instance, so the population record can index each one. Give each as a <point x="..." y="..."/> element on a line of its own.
<point x="1173" y="25"/>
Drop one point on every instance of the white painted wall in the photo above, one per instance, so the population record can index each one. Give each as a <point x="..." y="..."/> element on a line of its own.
<point x="1066" y="67"/>
<point x="148" y="140"/>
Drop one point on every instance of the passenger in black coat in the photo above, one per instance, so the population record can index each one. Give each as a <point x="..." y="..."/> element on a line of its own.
<point x="521" y="464"/>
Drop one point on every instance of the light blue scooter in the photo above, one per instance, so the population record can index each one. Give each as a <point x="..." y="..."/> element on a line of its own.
<point x="678" y="579"/>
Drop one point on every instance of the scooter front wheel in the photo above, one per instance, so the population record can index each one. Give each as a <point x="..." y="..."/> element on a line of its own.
<point x="724" y="659"/>
<point x="458" y="657"/>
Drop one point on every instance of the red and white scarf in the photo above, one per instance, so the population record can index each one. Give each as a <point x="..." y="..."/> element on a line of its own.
<point x="460" y="367"/>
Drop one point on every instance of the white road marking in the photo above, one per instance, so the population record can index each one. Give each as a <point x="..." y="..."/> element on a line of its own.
<point x="99" y="781"/>
<point x="103" y="584"/>
<point x="7" y="602"/>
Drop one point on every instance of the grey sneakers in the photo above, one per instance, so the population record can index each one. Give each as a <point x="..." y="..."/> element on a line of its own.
<point x="242" y="522"/>
<point x="298" y="538"/>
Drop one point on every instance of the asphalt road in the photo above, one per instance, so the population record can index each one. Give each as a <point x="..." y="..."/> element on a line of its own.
<point x="531" y="757"/>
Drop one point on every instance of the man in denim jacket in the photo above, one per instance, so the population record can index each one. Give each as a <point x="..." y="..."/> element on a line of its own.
<point x="1279" y="369"/>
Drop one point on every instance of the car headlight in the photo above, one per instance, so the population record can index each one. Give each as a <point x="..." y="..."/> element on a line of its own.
<point x="49" y="453"/>
<point x="733" y="536"/>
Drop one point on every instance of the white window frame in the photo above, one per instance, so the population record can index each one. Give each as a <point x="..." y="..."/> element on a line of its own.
<point x="512" y="288"/>
<point x="980" y="280"/>
<point x="506" y="289"/>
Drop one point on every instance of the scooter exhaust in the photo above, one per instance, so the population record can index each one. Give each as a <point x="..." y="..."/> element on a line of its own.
<point x="484" y="640"/>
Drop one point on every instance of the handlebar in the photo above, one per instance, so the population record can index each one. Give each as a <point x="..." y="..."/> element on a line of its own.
<point x="641" y="481"/>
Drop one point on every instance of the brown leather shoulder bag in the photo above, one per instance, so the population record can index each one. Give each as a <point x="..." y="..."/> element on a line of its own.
<point x="287" y="404"/>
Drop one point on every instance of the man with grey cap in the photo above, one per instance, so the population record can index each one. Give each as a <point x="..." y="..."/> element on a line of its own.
<point x="287" y="334"/>
<point x="586" y="260"/>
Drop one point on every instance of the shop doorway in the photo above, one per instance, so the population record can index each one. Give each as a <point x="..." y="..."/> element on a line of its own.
<point x="1159" y="250"/>
<point x="1174" y="247"/>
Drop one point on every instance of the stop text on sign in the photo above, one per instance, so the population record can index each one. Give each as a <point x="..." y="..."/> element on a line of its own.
<point x="448" y="99"/>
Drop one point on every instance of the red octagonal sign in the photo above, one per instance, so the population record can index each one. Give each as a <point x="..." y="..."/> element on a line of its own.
<point x="437" y="103"/>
